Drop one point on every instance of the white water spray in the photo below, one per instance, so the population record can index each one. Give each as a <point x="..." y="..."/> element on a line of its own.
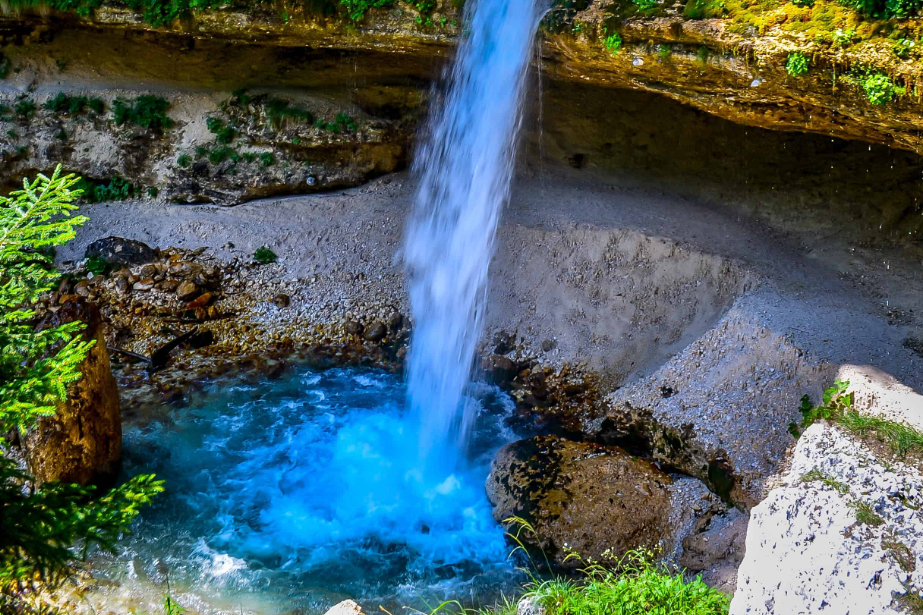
<point x="466" y="164"/>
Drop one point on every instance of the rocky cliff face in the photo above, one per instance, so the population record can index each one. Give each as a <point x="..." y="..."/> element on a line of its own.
<point x="82" y="442"/>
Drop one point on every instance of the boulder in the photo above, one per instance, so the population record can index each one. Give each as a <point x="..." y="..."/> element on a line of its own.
<point x="347" y="607"/>
<point x="596" y="500"/>
<point x="716" y="548"/>
<point x="121" y="251"/>
<point x="842" y="533"/>
<point x="82" y="442"/>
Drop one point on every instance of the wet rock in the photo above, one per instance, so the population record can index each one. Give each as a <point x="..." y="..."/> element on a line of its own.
<point x="281" y="300"/>
<point x="144" y="285"/>
<point x="395" y="322"/>
<point x="548" y="345"/>
<point x="82" y="442"/>
<point x="148" y="271"/>
<point x="121" y="251"/>
<point x="500" y="369"/>
<point x="597" y="500"/>
<point x="186" y="290"/>
<point x="375" y="332"/>
<point x="353" y="327"/>
<point x="503" y="343"/>
<point x="200" y="340"/>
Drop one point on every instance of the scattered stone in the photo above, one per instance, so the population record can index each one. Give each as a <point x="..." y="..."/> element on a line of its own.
<point x="121" y="285"/>
<point x="186" y="290"/>
<point x="121" y="251"/>
<point x="548" y="345"/>
<point x="353" y="327"/>
<point x="167" y="286"/>
<point x="716" y="548"/>
<point x="148" y="271"/>
<point x="503" y="343"/>
<point x="530" y="605"/>
<point x="144" y="285"/>
<point x="200" y="340"/>
<point x="201" y="301"/>
<point x="375" y="332"/>
<point x="281" y="300"/>
<point x="82" y="288"/>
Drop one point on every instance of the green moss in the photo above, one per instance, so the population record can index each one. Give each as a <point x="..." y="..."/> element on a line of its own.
<point x="878" y="87"/>
<point x="184" y="161"/>
<point x="356" y="9"/>
<point x="279" y="110"/>
<point x="264" y="255"/>
<point x="115" y="189"/>
<point x="24" y="107"/>
<point x="64" y="103"/>
<point x="613" y="43"/>
<point x="817" y="475"/>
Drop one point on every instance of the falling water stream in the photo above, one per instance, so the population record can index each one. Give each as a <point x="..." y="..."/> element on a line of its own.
<point x="466" y="165"/>
<point x="288" y="495"/>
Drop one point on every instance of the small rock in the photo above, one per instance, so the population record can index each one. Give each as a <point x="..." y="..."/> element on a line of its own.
<point x="186" y="291"/>
<point x="82" y="288"/>
<point x="281" y="300"/>
<point x="500" y="369"/>
<point x="375" y="332"/>
<point x="167" y="286"/>
<point x="353" y="327"/>
<point x="144" y="285"/>
<point x="395" y="322"/>
<point x="548" y="345"/>
<point x="530" y="606"/>
<point x="201" y="301"/>
<point x="121" y="285"/>
<point x="148" y="271"/>
<point x="503" y="343"/>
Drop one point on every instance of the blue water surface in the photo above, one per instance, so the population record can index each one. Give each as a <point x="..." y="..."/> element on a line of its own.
<point x="286" y="496"/>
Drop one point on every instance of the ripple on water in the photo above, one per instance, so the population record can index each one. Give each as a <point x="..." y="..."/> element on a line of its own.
<point x="297" y="492"/>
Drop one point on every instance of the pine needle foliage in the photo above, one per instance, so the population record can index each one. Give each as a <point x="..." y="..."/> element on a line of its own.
<point x="44" y="531"/>
<point x="35" y="366"/>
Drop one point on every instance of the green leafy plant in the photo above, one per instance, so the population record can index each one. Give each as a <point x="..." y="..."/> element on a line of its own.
<point x="703" y="53"/>
<point x="796" y="65"/>
<point x="264" y="255"/>
<point x="645" y="5"/>
<point x="842" y="38"/>
<point x="184" y="161"/>
<point x="356" y="9"/>
<point x="224" y="134"/>
<point x="116" y="189"/>
<point x="613" y="43"/>
<point x="147" y="111"/>
<point x="42" y="527"/>
<point x="903" y="48"/>
<point x="837" y="407"/>
<point x="664" y="51"/>
<point x="97" y="265"/>
<point x="878" y="87"/>
<point x="267" y="159"/>
<point x="341" y="123"/>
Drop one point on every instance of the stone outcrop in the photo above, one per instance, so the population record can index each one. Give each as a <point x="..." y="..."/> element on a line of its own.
<point x="841" y="533"/>
<point x="728" y="62"/>
<point x="595" y="501"/>
<point x="82" y="442"/>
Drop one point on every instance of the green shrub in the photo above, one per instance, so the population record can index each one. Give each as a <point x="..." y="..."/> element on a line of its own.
<point x="702" y="53"/>
<point x="268" y="159"/>
<point x="342" y="123"/>
<point x="645" y="5"/>
<point x="903" y="48"/>
<point x="224" y="134"/>
<point x="147" y="111"/>
<point x="64" y="103"/>
<point x="41" y="527"/>
<point x="264" y="255"/>
<point x="796" y="65"/>
<point x="219" y="154"/>
<point x="24" y="107"/>
<point x="116" y="189"/>
<point x="184" y="161"/>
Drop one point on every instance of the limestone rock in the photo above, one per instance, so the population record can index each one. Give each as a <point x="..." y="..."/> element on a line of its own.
<point x="121" y="251"/>
<point x="186" y="290"/>
<point x="716" y="548"/>
<point x="347" y="607"/>
<point x="375" y="332"/>
<point x="594" y="499"/>
<point x="82" y="442"/>
<point x="809" y="552"/>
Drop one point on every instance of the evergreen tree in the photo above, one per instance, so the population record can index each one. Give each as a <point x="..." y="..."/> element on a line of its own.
<point x="44" y="532"/>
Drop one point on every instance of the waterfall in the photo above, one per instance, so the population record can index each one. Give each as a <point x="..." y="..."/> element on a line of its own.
<point x="465" y="166"/>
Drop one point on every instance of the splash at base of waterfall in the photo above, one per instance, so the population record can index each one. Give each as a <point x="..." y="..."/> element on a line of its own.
<point x="300" y="491"/>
